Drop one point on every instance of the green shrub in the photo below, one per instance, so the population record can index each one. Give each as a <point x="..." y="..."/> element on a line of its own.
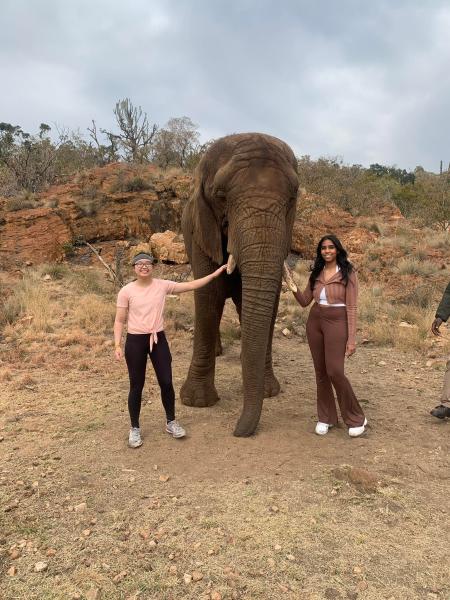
<point x="55" y="270"/>
<point x="21" y="202"/>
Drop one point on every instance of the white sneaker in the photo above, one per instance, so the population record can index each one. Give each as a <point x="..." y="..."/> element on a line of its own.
<point x="322" y="428"/>
<point x="175" y="429"/>
<point x="134" y="439"/>
<point x="356" y="431"/>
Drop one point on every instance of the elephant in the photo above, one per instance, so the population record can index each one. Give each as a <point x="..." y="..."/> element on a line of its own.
<point x="241" y="211"/>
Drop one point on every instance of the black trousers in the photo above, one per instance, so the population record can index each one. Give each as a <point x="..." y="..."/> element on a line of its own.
<point x="137" y="349"/>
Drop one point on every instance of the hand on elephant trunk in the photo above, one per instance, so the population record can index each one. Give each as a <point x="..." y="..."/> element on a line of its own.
<point x="289" y="278"/>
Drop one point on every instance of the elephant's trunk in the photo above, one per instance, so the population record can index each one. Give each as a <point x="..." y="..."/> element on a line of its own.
<point x="260" y="255"/>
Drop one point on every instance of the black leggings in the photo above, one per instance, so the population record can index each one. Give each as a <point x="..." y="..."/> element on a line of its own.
<point x="137" y="348"/>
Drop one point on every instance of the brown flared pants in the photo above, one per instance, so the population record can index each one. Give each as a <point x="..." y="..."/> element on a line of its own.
<point x="326" y="330"/>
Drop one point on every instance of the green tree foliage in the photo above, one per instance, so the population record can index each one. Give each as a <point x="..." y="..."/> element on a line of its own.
<point x="177" y="144"/>
<point x="30" y="158"/>
<point x="419" y="195"/>
<point x="352" y="187"/>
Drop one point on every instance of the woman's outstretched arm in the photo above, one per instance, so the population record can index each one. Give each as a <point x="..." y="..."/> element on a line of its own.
<point x="179" y="288"/>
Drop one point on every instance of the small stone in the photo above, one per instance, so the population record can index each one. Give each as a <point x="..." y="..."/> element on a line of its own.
<point x="14" y="554"/>
<point x="381" y="363"/>
<point x="144" y="534"/>
<point x="155" y="467"/>
<point x="197" y="576"/>
<point x="216" y="595"/>
<point x="40" y="566"/>
<point x="152" y="544"/>
<point x="120" y="576"/>
<point x="274" y="509"/>
<point x="187" y="578"/>
<point x="171" y="556"/>
<point x="277" y="547"/>
<point x="51" y="552"/>
<point x="286" y="332"/>
<point x="47" y="277"/>
<point x="80" y="507"/>
<point x="290" y="557"/>
<point x="87" y="532"/>
<point x="173" y="569"/>
<point x="164" y="478"/>
<point x="12" y="571"/>
<point x="357" y="570"/>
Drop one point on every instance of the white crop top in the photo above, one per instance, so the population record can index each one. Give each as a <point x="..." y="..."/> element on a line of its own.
<point x="323" y="295"/>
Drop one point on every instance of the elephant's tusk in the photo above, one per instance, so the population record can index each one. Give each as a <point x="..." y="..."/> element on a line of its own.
<point x="231" y="264"/>
<point x="289" y="278"/>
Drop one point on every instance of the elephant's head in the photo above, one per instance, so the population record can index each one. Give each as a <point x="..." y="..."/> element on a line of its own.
<point x="245" y="201"/>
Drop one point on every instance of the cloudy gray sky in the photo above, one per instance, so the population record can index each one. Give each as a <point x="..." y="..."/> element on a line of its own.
<point x="365" y="81"/>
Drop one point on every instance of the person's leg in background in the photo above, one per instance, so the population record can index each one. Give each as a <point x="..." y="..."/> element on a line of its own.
<point x="443" y="410"/>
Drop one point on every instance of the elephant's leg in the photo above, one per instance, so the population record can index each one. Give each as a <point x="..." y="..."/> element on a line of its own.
<point x="271" y="383"/>
<point x="199" y="389"/>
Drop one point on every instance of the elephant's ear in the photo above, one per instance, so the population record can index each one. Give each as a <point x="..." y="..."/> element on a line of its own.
<point x="207" y="232"/>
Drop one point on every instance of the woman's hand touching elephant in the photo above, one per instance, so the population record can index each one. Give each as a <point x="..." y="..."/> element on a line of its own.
<point x="289" y="278"/>
<point x="219" y="271"/>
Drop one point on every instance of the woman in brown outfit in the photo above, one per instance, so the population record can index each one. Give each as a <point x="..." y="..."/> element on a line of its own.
<point x="331" y="333"/>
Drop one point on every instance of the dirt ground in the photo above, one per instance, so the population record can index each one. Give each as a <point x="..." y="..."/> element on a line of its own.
<point x="284" y="514"/>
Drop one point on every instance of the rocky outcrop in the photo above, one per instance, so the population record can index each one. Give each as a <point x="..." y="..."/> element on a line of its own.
<point x="169" y="247"/>
<point x="37" y="235"/>
<point x="137" y="203"/>
<point x="316" y="217"/>
<point x="110" y="203"/>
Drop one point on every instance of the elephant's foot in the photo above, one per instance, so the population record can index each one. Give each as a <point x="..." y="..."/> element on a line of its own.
<point x="247" y="424"/>
<point x="271" y="385"/>
<point x="199" y="394"/>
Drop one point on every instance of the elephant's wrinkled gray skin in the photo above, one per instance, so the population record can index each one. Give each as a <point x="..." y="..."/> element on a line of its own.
<point x="243" y="203"/>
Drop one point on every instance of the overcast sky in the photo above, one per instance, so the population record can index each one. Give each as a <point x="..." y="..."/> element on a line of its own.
<point x="367" y="81"/>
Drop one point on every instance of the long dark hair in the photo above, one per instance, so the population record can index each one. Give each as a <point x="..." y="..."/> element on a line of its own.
<point x="344" y="264"/>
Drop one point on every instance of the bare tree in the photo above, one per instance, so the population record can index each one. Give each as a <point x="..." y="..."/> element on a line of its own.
<point x="177" y="143"/>
<point x="107" y="153"/>
<point x="136" y="134"/>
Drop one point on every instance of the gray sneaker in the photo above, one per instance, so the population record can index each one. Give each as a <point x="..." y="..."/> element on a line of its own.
<point x="175" y="429"/>
<point x="134" y="439"/>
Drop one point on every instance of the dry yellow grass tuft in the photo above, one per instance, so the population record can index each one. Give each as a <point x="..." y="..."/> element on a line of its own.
<point x="94" y="314"/>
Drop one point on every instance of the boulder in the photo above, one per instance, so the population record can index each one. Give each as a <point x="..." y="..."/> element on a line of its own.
<point x="169" y="246"/>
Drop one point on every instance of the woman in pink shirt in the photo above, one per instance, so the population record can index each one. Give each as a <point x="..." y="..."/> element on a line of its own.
<point x="331" y="333"/>
<point x="141" y="304"/>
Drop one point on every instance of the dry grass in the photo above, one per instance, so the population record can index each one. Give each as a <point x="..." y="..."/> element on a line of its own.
<point x="30" y="301"/>
<point x="94" y="314"/>
<point x="263" y="518"/>
<point x="416" y="266"/>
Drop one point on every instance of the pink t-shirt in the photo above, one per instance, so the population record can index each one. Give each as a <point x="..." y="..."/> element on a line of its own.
<point x="145" y="305"/>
